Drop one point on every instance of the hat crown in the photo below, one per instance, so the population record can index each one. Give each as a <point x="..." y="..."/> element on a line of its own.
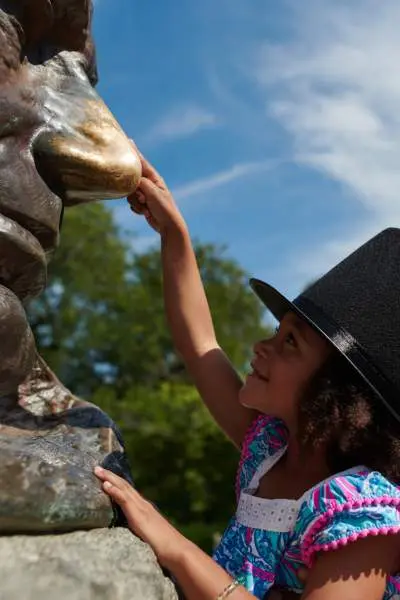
<point x="361" y="295"/>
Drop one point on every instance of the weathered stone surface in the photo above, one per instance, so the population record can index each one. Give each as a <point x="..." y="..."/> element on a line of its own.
<point x="50" y="442"/>
<point x="51" y="486"/>
<point x="102" y="564"/>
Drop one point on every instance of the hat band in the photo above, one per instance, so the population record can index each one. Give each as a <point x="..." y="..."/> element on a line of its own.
<point x="355" y="354"/>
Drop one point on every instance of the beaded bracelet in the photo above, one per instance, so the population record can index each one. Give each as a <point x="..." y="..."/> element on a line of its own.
<point x="228" y="590"/>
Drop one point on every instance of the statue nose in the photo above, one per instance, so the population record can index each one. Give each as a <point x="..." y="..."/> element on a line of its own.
<point x="82" y="152"/>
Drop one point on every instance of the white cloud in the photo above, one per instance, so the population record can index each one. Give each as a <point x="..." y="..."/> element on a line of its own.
<point x="216" y="180"/>
<point x="181" y="122"/>
<point x="336" y="89"/>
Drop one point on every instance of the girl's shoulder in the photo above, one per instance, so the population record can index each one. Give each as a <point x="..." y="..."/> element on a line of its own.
<point x="264" y="438"/>
<point x="349" y="506"/>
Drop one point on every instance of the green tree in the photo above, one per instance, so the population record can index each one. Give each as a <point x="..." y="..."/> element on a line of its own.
<point x="101" y="319"/>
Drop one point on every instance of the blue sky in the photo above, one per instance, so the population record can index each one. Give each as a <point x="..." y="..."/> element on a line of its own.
<point x="275" y="123"/>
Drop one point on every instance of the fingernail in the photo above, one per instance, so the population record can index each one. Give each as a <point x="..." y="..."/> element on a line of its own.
<point x="107" y="485"/>
<point x="98" y="470"/>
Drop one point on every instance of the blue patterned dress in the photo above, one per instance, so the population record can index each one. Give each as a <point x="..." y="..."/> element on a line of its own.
<point x="267" y="541"/>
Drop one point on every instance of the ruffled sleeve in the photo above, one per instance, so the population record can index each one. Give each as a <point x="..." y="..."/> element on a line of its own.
<point x="264" y="438"/>
<point x="345" y="509"/>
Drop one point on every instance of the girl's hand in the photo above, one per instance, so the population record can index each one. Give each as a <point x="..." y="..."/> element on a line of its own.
<point x="143" y="519"/>
<point x="153" y="199"/>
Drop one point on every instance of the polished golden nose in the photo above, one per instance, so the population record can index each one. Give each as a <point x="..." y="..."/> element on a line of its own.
<point x="84" y="155"/>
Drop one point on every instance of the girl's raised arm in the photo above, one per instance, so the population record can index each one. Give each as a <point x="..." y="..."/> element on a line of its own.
<point x="187" y="309"/>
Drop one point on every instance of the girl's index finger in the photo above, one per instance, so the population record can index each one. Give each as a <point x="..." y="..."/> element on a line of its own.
<point x="149" y="172"/>
<point x="102" y="473"/>
<point x="147" y="169"/>
<point x="134" y="145"/>
<point x="106" y="475"/>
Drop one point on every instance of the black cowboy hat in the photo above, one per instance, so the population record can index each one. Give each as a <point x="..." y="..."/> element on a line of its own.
<point x="356" y="306"/>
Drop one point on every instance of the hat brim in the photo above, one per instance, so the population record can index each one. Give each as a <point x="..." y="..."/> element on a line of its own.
<point x="276" y="303"/>
<point x="279" y="306"/>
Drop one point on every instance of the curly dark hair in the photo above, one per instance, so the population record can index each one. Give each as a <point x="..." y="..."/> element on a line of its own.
<point x="340" y="412"/>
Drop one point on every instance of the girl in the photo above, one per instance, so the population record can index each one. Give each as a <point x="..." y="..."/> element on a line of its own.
<point x="317" y="422"/>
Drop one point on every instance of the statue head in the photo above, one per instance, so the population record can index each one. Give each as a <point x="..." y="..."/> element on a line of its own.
<point x="59" y="143"/>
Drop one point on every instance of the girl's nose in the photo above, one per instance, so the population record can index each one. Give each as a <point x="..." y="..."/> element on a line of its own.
<point x="263" y="347"/>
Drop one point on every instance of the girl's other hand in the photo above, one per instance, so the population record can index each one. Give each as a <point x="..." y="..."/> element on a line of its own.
<point x="143" y="518"/>
<point x="154" y="201"/>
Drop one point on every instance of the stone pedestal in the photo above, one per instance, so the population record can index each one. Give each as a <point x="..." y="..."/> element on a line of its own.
<point x="102" y="564"/>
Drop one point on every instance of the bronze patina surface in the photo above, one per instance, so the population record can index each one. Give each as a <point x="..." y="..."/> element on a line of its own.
<point x="59" y="146"/>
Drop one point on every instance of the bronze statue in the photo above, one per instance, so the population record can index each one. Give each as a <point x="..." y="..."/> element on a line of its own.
<point x="59" y="146"/>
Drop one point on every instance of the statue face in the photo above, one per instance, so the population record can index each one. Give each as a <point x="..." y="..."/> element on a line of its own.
<point x="59" y="144"/>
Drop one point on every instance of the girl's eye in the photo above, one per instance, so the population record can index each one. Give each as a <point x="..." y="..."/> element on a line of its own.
<point x="291" y="340"/>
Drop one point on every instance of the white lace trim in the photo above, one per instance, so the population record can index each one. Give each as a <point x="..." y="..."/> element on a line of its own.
<point x="268" y="515"/>
<point x="278" y="515"/>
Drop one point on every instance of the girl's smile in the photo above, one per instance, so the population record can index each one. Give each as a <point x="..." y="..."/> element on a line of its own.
<point x="256" y="373"/>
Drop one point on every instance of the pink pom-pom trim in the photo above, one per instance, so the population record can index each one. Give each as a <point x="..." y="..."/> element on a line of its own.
<point x="310" y="549"/>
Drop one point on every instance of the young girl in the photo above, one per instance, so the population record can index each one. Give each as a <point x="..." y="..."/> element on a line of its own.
<point x="317" y="422"/>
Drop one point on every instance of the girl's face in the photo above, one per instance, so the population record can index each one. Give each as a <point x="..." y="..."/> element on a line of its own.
<point x="282" y="365"/>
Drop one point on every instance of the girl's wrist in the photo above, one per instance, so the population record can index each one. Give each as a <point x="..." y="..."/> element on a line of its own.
<point x="178" y="549"/>
<point x="175" y="228"/>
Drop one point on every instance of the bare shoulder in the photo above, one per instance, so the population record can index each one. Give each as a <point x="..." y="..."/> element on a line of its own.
<point x="358" y="570"/>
